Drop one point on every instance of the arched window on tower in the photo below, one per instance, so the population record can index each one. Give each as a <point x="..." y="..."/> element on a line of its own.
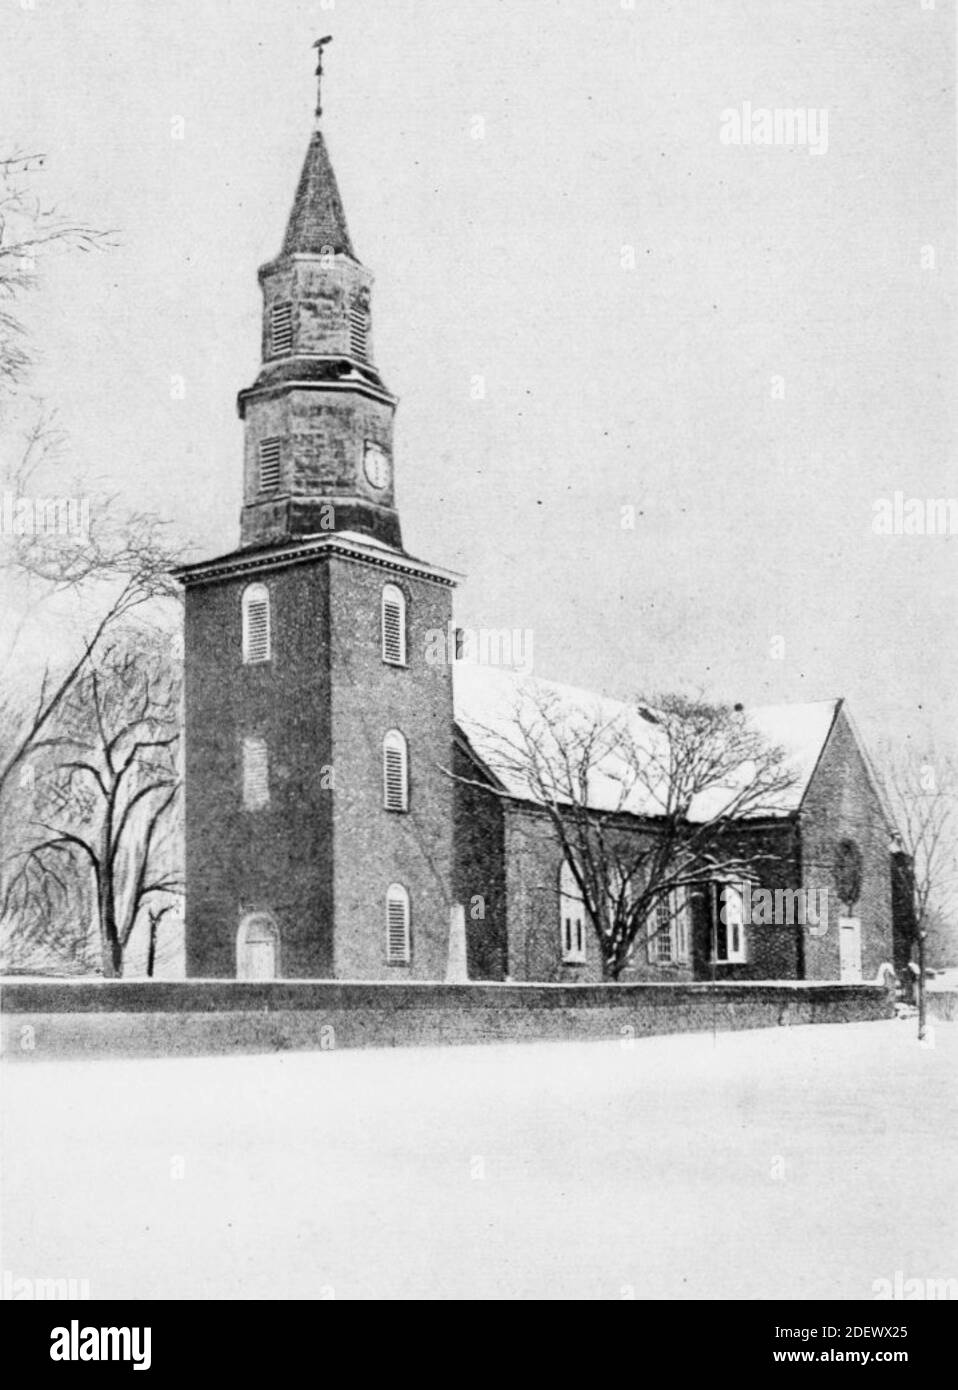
<point x="398" y="944"/>
<point x="394" y="626"/>
<point x="395" y="772"/>
<point x="256" y="624"/>
<point x="571" y="917"/>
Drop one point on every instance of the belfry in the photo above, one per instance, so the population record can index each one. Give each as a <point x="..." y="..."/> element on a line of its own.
<point x="318" y="418"/>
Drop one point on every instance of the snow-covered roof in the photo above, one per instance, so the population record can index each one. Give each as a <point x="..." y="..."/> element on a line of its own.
<point x="360" y="538"/>
<point x="493" y="705"/>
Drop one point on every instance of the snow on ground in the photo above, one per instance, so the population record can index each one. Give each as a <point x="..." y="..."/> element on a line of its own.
<point x="794" y="1162"/>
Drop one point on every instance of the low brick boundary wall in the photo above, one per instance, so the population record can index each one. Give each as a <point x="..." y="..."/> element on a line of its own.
<point x="41" y="1019"/>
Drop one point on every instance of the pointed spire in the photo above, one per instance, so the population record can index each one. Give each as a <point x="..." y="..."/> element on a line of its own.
<point x="317" y="223"/>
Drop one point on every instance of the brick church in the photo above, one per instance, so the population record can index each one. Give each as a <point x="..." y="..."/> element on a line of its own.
<point x="343" y="808"/>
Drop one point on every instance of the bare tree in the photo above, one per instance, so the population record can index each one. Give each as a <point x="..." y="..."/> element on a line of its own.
<point x="120" y="564"/>
<point x="923" y="792"/>
<point x="113" y="562"/>
<point x="31" y="228"/>
<point x="106" y="794"/>
<point x="69" y="590"/>
<point x="643" y="800"/>
<point x="77" y="563"/>
<point x="155" y="915"/>
<point x="48" y="930"/>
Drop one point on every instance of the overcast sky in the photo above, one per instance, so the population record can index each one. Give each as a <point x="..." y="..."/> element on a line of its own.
<point x="634" y="293"/>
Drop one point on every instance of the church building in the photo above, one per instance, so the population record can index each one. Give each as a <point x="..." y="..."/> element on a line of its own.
<point x="342" y="808"/>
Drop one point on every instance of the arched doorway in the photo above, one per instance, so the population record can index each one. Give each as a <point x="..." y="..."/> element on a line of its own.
<point x="257" y="948"/>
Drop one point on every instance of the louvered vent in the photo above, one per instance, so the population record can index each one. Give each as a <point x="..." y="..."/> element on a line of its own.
<point x="394" y="626"/>
<point x="281" y="330"/>
<point x="256" y="624"/>
<point x="255" y="774"/>
<point x="397" y="926"/>
<point x="358" y="332"/>
<point x="395" y="791"/>
<point x="269" y="465"/>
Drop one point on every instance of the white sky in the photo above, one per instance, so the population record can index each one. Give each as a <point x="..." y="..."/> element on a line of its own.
<point x="501" y="257"/>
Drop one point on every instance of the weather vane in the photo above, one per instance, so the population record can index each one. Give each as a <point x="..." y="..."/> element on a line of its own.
<point x="319" y="45"/>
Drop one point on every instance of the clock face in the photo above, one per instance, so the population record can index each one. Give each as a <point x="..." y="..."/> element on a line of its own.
<point x="377" y="466"/>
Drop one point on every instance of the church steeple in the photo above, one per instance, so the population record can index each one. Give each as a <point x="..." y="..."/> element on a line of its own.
<point x="317" y="223"/>
<point x="319" y="419"/>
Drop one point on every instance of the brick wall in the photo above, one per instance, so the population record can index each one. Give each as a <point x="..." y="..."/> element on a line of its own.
<point x="323" y="704"/>
<point x="50" y="1019"/>
<point x="903" y="913"/>
<point x="533" y="861"/>
<point x="374" y="847"/>
<point x="772" y="951"/>
<point x="515" y="846"/>
<point x="277" y="859"/>
<point x="841" y="804"/>
<point x="480" y="880"/>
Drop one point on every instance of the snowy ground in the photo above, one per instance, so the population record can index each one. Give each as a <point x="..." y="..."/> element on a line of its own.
<point x="792" y="1162"/>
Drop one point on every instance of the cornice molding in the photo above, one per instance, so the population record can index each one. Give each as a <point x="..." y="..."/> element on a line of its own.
<point x="312" y="548"/>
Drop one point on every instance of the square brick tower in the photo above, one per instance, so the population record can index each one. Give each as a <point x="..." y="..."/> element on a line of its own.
<point x="318" y="735"/>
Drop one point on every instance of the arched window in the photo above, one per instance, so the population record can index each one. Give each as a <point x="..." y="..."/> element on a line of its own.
<point x="256" y="624"/>
<point x="395" y="772"/>
<point x="729" y="925"/>
<point x="257" y="948"/>
<point x="571" y="916"/>
<point x="668" y="929"/>
<point x="660" y="931"/>
<point x="394" y="626"/>
<point x="398" y="948"/>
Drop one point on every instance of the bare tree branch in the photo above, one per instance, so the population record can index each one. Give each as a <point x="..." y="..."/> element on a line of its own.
<point x="642" y="800"/>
